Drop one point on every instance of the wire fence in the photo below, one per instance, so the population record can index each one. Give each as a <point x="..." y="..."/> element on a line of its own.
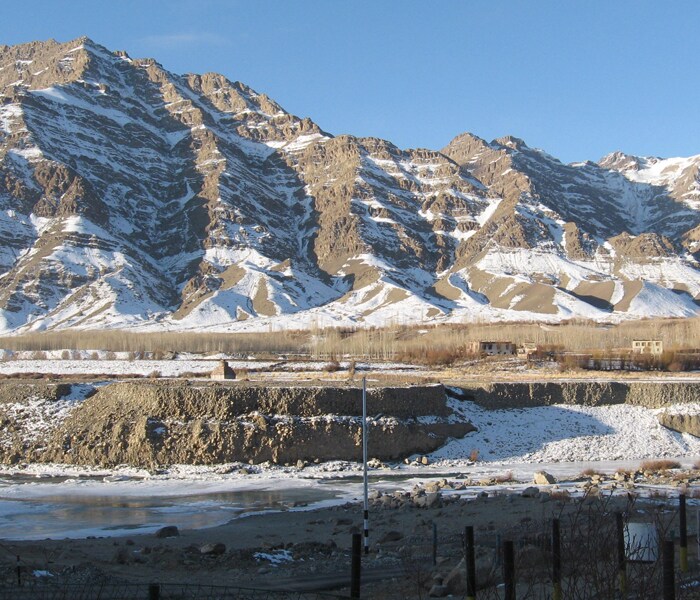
<point x="594" y="555"/>
<point x="131" y="591"/>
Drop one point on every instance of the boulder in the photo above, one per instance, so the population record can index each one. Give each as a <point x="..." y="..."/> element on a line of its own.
<point x="543" y="478"/>
<point x="530" y="492"/>
<point x="216" y="549"/>
<point x="485" y="563"/>
<point x="168" y="531"/>
<point x="391" y="536"/>
<point x="433" y="499"/>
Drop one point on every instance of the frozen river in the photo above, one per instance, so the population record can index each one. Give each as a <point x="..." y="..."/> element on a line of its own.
<point x="58" y="507"/>
<point x="42" y="505"/>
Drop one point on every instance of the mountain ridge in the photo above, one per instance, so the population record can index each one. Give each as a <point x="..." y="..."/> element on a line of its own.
<point x="134" y="197"/>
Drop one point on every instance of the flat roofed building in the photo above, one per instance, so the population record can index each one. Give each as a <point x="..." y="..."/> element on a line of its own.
<point x="527" y="349"/>
<point x="492" y="348"/>
<point x="648" y="347"/>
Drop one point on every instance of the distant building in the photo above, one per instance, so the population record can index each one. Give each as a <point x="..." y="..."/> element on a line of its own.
<point x="492" y="348"/>
<point x="654" y="347"/>
<point x="527" y="349"/>
<point x="223" y="371"/>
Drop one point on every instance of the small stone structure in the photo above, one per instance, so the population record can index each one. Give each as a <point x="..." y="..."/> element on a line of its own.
<point x="223" y="371"/>
<point x="527" y="349"/>
<point x="492" y="348"/>
<point x="654" y="347"/>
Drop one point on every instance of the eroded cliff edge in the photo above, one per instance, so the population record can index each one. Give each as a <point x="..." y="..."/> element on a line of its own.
<point x="587" y="393"/>
<point x="161" y="423"/>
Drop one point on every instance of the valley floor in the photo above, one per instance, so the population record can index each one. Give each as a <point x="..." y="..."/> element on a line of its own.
<point x="480" y="480"/>
<point x="298" y="548"/>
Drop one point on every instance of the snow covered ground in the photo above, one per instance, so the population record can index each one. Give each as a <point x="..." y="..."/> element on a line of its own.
<point x="165" y="368"/>
<point x="567" y="433"/>
<point x="176" y="367"/>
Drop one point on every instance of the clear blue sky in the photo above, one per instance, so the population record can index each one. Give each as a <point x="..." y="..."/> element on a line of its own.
<point x="576" y="78"/>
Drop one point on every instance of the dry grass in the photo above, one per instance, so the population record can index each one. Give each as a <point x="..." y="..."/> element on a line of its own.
<point x="589" y="473"/>
<point x="560" y="495"/>
<point x="659" y="465"/>
<point x="286" y="342"/>
<point x="474" y="455"/>
<point x="428" y="344"/>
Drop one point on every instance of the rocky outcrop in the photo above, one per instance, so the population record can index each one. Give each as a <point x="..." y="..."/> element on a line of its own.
<point x="151" y="424"/>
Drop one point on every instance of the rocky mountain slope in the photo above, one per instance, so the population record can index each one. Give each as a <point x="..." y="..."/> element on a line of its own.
<point x="134" y="197"/>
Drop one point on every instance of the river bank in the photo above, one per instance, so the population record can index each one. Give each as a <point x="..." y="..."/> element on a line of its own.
<point x="302" y="542"/>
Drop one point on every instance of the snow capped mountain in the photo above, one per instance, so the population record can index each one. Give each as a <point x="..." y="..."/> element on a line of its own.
<point x="134" y="197"/>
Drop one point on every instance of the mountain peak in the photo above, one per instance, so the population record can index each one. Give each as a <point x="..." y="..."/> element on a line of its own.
<point x="620" y="161"/>
<point x="512" y="142"/>
<point x="131" y="195"/>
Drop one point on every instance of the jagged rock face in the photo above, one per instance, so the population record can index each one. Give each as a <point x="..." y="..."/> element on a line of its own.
<point x="131" y="196"/>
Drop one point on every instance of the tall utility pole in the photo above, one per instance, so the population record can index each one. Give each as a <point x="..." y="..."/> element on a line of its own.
<point x="364" y="462"/>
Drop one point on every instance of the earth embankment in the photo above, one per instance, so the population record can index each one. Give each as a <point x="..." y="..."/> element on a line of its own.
<point x="151" y="424"/>
<point x="586" y="393"/>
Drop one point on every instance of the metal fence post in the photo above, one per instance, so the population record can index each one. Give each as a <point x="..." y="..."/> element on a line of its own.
<point x="470" y="560"/>
<point x="153" y="591"/>
<point x="621" y="554"/>
<point x="435" y="544"/>
<point x="356" y="565"/>
<point x="556" y="560"/>
<point x="669" y="584"/>
<point x="509" y="569"/>
<point x="684" y="534"/>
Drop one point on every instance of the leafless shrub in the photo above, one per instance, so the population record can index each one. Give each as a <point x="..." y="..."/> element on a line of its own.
<point x="438" y="345"/>
<point x="560" y="495"/>
<point x="656" y="466"/>
<point x="193" y="374"/>
<point x="331" y="366"/>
